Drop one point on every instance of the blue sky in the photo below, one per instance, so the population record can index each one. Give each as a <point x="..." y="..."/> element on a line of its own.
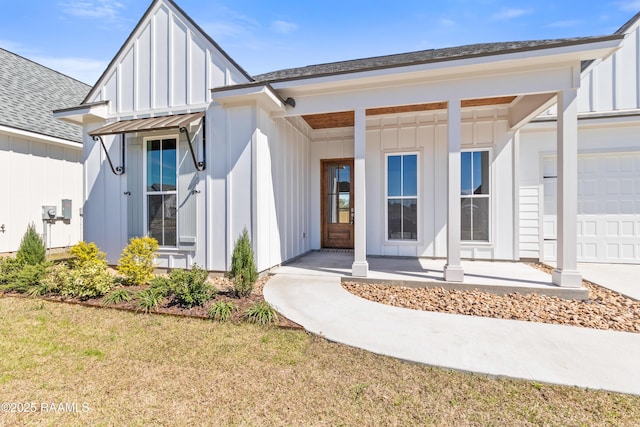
<point x="80" y="37"/>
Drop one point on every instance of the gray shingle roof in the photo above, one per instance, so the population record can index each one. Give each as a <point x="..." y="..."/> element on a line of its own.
<point x="420" y="57"/>
<point x="29" y="93"/>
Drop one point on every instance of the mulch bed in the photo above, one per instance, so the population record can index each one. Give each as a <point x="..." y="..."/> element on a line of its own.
<point x="171" y="308"/>
<point x="605" y="309"/>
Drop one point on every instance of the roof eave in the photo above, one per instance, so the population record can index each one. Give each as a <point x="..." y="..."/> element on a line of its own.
<point x="96" y="111"/>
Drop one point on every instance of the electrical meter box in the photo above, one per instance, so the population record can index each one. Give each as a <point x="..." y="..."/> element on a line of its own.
<point x="66" y="209"/>
<point x="49" y="212"/>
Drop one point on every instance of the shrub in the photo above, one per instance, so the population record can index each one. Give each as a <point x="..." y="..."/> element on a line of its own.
<point x="243" y="268"/>
<point x="9" y="266"/>
<point x="162" y="285"/>
<point x="149" y="299"/>
<point x="25" y="278"/>
<point x="56" y="278"/>
<point x="32" y="250"/>
<point x="221" y="310"/>
<point x="117" y="296"/>
<point x="137" y="260"/>
<point x="84" y="252"/>
<point x="190" y="287"/>
<point x="89" y="281"/>
<point x="261" y="313"/>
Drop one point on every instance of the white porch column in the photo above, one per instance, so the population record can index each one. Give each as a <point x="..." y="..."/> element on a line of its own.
<point x="453" y="270"/>
<point x="567" y="274"/>
<point x="360" y="267"/>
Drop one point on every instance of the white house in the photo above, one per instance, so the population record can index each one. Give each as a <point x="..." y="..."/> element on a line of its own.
<point x="422" y="154"/>
<point x="40" y="157"/>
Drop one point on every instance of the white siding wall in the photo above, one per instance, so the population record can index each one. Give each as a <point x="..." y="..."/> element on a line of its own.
<point x="35" y="173"/>
<point x="612" y="84"/>
<point x="281" y="213"/>
<point x="105" y="205"/>
<point x="425" y="133"/>
<point x="541" y="141"/>
<point x="167" y="65"/>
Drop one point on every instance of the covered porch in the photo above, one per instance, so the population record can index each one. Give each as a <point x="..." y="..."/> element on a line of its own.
<point x="490" y="276"/>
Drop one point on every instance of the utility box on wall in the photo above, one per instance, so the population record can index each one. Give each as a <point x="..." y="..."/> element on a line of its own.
<point x="66" y="209"/>
<point x="49" y="212"/>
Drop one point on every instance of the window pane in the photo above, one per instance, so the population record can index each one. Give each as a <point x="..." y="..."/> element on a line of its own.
<point x="154" y="209"/>
<point x="170" y="223"/>
<point x="465" y="173"/>
<point x="481" y="219"/>
<point x="394" y="218"/>
<point x="153" y="166"/>
<point x="410" y="175"/>
<point x="394" y="176"/>
<point x="466" y="215"/>
<point x="169" y="164"/>
<point x="344" y="205"/>
<point x="481" y="172"/>
<point x="410" y="219"/>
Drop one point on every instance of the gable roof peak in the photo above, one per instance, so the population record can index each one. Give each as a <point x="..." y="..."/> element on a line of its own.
<point x="155" y="4"/>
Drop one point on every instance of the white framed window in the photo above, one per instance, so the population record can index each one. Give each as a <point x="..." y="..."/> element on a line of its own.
<point x="161" y="190"/>
<point x="475" y="196"/>
<point x="402" y="196"/>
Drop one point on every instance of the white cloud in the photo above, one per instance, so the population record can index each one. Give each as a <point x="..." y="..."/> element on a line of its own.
<point x="283" y="27"/>
<point x="506" y="14"/>
<point x="564" y="24"/>
<point x="10" y="45"/>
<point x="446" y="22"/>
<point x="629" y="6"/>
<point x="108" y="9"/>
<point x="84" y="69"/>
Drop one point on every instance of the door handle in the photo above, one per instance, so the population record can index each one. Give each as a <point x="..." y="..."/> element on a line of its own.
<point x="352" y="217"/>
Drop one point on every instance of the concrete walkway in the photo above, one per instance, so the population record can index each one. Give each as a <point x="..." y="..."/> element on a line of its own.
<point x="622" y="278"/>
<point x="534" y="351"/>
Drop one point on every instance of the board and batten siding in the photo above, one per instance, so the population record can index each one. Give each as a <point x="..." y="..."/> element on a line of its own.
<point x="282" y="208"/>
<point x="613" y="84"/>
<point x="35" y="173"/>
<point x="167" y="64"/>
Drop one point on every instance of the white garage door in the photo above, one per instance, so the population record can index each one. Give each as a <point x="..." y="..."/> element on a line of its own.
<point x="608" y="208"/>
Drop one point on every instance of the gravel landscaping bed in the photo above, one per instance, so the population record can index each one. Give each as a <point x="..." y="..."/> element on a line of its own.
<point x="604" y="309"/>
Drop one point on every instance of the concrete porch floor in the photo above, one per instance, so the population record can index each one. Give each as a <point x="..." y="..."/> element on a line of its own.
<point x="491" y="276"/>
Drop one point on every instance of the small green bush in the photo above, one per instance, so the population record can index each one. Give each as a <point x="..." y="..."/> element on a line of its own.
<point x="25" y="278"/>
<point x="89" y="281"/>
<point x="149" y="299"/>
<point x="9" y="266"/>
<point x="243" y="268"/>
<point x="221" y="310"/>
<point x="261" y="313"/>
<point x="56" y="278"/>
<point x="162" y="285"/>
<point x="32" y="250"/>
<point x="190" y="287"/>
<point x="117" y="296"/>
<point x="84" y="252"/>
<point x="137" y="260"/>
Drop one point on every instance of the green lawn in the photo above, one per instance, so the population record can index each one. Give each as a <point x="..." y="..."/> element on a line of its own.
<point x="137" y="369"/>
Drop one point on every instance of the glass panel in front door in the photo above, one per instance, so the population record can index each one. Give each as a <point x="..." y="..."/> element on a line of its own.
<point x="339" y="194"/>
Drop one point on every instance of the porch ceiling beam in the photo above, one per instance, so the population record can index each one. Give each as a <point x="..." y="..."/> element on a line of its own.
<point x="529" y="106"/>
<point x="434" y="91"/>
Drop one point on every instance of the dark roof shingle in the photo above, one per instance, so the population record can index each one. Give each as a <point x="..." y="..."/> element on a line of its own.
<point x="420" y="57"/>
<point x="29" y="92"/>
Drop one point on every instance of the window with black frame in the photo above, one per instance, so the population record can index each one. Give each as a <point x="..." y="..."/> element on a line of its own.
<point x="402" y="197"/>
